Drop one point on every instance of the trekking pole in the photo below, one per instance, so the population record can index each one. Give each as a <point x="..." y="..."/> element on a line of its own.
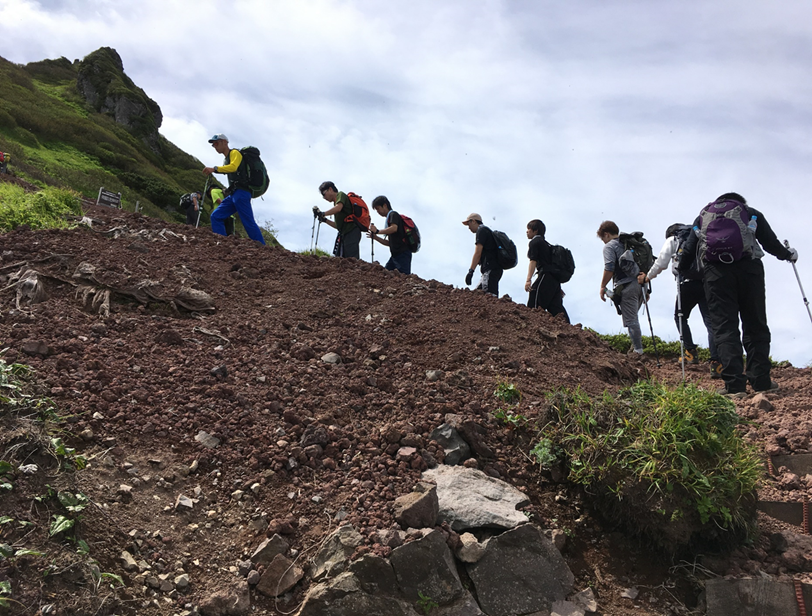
<point x="316" y="247"/>
<point x="803" y="293"/>
<point x="679" y="316"/>
<point x="313" y="228"/>
<point x="651" y="328"/>
<point x="202" y="199"/>
<point x="372" y="241"/>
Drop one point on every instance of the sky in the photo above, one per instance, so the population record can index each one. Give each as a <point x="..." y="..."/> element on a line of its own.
<point x="572" y="112"/>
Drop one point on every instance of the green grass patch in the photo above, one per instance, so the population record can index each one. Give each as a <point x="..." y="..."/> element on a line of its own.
<point x="44" y="209"/>
<point x="669" y="463"/>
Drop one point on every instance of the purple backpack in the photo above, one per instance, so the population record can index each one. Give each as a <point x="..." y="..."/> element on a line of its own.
<point x="723" y="233"/>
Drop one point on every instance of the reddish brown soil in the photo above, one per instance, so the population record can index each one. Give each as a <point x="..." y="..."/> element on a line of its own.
<point x="138" y="387"/>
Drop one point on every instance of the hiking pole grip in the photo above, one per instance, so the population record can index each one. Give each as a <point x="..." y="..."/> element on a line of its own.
<point x="800" y="286"/>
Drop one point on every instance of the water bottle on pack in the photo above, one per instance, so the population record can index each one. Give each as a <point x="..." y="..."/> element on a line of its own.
<point x="752" y="225"/>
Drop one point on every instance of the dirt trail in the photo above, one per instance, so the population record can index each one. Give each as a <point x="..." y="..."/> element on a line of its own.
<point x="126" y="344"/>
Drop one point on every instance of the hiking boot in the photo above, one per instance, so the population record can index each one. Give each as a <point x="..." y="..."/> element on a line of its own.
<point x="716" y="369"/>
<point x="773" y="386"/>
<point x="635" y="352"/>
<point x="722" y="391"/>
<point x="689" y="357"/>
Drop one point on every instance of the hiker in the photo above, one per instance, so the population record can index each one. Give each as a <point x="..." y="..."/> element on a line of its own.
<point x="728" y="240"/>
<point x="216" y="195"/>
<point x="484" y="256"/>
<point x="238" y="197"/>
<point x="627" y="294"/>
<point x="690" y="293"/>
<point x="348" y="240"/>
<point x="545" y="292"/>
<point x="191" y="202"/>
<point x="401" y="256"/>
<point x="5" y="158"/>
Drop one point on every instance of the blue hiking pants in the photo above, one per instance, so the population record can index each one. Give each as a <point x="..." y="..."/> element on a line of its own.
<point x="238" y="201"/>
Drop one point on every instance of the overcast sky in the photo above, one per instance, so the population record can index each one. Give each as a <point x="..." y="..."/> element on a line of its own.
<point x="573" y="112"/>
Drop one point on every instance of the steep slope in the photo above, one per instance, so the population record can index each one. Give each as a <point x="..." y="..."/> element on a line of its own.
<point x="147" y="336"/>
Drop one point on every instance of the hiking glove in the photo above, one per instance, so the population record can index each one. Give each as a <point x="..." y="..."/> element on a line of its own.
<point x="793" y="255"/>
<point x="469" y="277"/>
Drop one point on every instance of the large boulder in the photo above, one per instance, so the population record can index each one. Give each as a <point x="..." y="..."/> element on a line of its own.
<point x="752" y="597"/>
<point x="520" y="572"/>
<point x="427" y="567"/>
<point x="469" y="498"/>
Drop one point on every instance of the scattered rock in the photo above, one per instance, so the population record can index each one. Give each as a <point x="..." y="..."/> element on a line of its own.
<point x="630" y="593"/>
<point x="434" y="375"/>
<point x="279" y="577"/>
<point x="761" y="402"/>
<point x="419" y="508"/>
<point x="586" y="600"/>
<point x="470" y="550"/>
<point x="332" y="557"/>
<point x="207" y="440"/>
<point x="269" y="549"/>
<point x="233" y="601"/>
<point x="331" y="358"/>
<point x="455" y="447"/>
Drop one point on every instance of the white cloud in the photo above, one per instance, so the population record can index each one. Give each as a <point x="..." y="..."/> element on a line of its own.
<point x="634" y="111"/>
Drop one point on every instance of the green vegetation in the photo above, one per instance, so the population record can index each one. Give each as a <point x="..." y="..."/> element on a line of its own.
<point x="316" y="252"/>
<point x="426" y="603"/>
<point x="510" y="396"/>
<point x="668" y="462"/>
<point x="64" y="125"/>
<point x="51" y="532"/>
<point x="44" y="209"/>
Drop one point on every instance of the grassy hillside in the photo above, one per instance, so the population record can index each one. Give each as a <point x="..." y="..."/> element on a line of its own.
<point x="85" y="124"/>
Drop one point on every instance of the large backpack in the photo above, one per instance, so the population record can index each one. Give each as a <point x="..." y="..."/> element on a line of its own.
<point x="506" y="254"/>
<point x="252" y="174"/>
<point x="682" y="234"/>
<point x="638" y="256"/>
<point x="412" y="233"/>
<point x="723" y="233"/>
<point x="562" y="265"/>
<point x="360" y="212"/>
<point x="186" y="201"/>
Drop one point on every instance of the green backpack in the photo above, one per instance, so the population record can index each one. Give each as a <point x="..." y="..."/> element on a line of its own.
<point x="252" y="174"/>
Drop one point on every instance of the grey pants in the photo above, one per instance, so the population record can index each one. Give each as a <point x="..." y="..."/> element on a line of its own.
<point x="630" y="301"/>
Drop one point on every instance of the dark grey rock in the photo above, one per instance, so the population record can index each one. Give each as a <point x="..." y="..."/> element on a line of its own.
<point x="344" y="596"/>
<point x="520" y="572"/>
<point x="268" y="549"/>
<point x="427" y="566"/>
<point x="332" y="558"/>
<point x="456" y="449"/>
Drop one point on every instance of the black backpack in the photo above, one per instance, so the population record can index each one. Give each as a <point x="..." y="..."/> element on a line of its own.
<point x="562" y="265"/>
<point x="639" y="255"/>
<point x="186" y="201"/>
<point x="695" y="271"/>
<point x="506" y="254"/>
<point x="252" y="174"/>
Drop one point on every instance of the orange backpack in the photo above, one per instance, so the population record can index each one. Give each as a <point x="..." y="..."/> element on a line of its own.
<point x="360" y="212"/>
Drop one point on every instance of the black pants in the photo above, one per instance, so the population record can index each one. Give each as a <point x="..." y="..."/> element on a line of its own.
<point x="547" y="295"/>
<point x="692" y="294"/>
<point x="736" y="290"/>
<point x="490" y="281"/>
<point x="348" y="245"/>
<point x="229" y="225"/>
<point x="191" y="216"/>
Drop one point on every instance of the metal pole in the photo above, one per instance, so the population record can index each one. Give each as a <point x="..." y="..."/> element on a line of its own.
<point x="798" y="278"/>
<point x="202" y="199"/>
<point x="315" y="249"/>
<point x="312" y="231"/>
<point x="372" y="240"/>
<point x="679" y="316"/>
<point x="651" y="328"/>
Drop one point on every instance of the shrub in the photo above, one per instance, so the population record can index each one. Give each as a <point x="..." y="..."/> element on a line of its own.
<point x="44" y="209"/>
<point x="668" y="463"/>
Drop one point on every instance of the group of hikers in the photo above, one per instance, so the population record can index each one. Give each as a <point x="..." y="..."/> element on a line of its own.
<point x="716" y="261"/>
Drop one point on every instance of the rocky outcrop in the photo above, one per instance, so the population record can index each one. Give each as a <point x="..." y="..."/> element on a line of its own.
<point x="105" y="87"/>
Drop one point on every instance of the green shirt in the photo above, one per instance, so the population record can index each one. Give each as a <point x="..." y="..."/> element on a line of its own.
<point x="346" y="210"/>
